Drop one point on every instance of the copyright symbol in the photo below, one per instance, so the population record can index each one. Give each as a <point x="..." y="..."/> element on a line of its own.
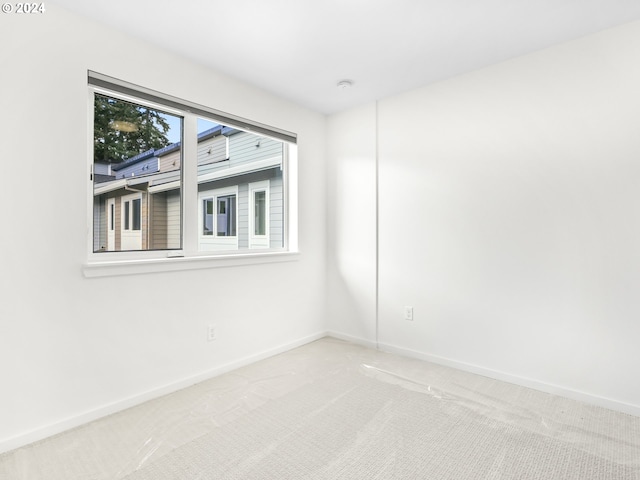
<point x="7" y="8"/>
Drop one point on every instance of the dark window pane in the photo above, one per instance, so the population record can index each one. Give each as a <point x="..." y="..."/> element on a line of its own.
<point x="126" y="215"/>
<point x="260" y="213"/>
<point x="136" y="214"/>
<point x="207" y="216"/>
<point x="226" y="216"/>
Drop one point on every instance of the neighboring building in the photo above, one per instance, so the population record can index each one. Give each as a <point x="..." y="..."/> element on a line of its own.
<point x="240" y="196"/>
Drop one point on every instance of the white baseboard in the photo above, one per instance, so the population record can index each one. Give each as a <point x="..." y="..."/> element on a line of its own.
<point x="517" y="380"/>
<point x="496" y="374"/>
<point x="41" y="433"/>
<point x="352" y="339"/>
<point x="26" y="438"/>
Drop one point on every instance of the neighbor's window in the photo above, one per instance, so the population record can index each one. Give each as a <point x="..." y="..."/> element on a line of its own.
<point x="263" y="222"/>
<point x="236" y="196"/>
<point x="225" y="216"/>
<point x="260" y="212"/>
<point x="219" y="216"/>
<point x="207" y="216"/>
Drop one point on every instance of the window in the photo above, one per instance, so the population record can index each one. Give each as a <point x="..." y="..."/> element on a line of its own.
<point x="260" y="213"/>
<point x="261" y="219"/>
<point x="135" y="214"/>
<point x="126" y="215"/>
<point x="219" y="216"/>
<point x="170" y="178"/>
<point x="131" y="231"/>
<point x="136" y="148"/>
<point x="226" y="216"/>
<point x="207" y="216"/>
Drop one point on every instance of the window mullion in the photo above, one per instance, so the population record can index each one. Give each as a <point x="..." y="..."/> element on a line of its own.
<point x="190" y="185"/>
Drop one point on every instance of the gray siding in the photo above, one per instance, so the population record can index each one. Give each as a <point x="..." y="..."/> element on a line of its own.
<point x="99" y="224"/>
<point x="173" y="219"/>
<point x="158" y="221"/>
<point x="170" y="161"/>
<point x="243" y="150"/>
<point x="276" y="217"/>
<point x="243" y="216"/>
<point x="101" y="169"/>
<point x="143" y="167"/>
<point x="276" y="204"/>
<point x="212" y="150"/>
<point x="165" y="222"/>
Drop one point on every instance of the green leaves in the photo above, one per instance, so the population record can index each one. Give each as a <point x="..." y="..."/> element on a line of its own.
<point x="123" y="130"/>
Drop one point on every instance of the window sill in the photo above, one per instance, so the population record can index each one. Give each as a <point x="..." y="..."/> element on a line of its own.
<point x="157" y="265"/>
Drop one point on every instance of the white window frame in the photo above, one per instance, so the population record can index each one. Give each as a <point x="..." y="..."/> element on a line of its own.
<point x="259" y="241"/>
<point x="189" y="257"/>
<point x="127" y="233"/>
<point x="214" y="242"/>
<point x="111" y="224"/>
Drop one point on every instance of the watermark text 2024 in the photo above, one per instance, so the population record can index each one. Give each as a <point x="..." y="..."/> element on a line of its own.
<point x="22" y="8"/>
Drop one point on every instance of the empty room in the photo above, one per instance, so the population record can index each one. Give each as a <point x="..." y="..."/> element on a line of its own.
<point x="320" y="240"/>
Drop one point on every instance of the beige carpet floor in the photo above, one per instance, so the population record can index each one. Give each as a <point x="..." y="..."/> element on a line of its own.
<point x="333" y="410"/>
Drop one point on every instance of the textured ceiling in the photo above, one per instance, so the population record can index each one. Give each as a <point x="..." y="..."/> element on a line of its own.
<point x="301" y="49"/>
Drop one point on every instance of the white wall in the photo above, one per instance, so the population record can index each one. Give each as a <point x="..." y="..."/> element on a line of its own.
<point x="351" y="225"/>
<point x="509" y="219"/>
<point x="72" y="348"/>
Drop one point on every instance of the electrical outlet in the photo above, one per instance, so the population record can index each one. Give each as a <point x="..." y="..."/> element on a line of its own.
<point x="211" y="333"/>
<point x="408" y="313"/>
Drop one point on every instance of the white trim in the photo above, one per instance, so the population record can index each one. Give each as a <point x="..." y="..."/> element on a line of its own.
<point x="517" y="380"/>
<point x="259" y="241"/>
<point x="107" y="187"/>
<point x="169" y="103"/>
<point x="164" y="187"/>
<point x="214" y="242"/>
<point x="136" y="100"/>
<point x="11" y="443"/>
<point x="130" y="238"/>
<point x="158" y="181"/>
<point x="495" y="374"/>
<point x="351" y="339"/>
<point x="240" y="169"/>
<point x="144" y="261"/>
<point x="111" y="224"/>
<point x="290" y="196"/>
<point x="90" y="195"/>
<point x="175" y="262"/>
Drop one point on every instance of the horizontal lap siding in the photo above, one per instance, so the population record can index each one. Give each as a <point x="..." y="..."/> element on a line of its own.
<point x="276" y="203"/>
<point x="166" y="220"/>
<point x="99" y="224"/>
<point x="144" y="221"/>
<point x="173" y="219"/>
<point x="276" y="211"/>
<point x="141" y="168"/>
<point x="218" y="146"/>
<point x="243" y="216"/>
<point x="242" y="148"/>
<point x="170" y="162"/>
<point x="159" y="221"/>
